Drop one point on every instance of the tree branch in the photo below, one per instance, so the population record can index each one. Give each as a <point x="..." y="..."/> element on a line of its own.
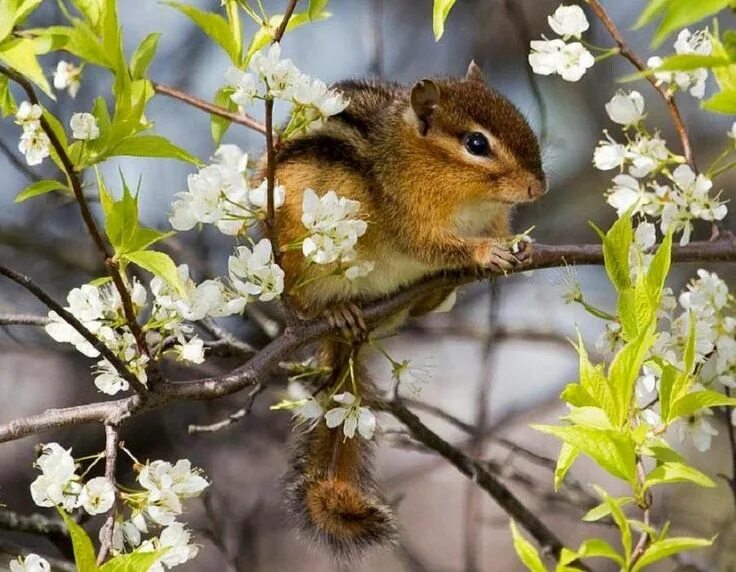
<point x="211" y="108"/>
<point x="69" y="318"/>
<point x="668" y="98"/>
<point x="112" y="439"/>
<point x="262" y="365"/>
<point x="22" y="320"/>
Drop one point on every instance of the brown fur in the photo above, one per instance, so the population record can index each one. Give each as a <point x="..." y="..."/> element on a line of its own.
<point x="430" y="206"/>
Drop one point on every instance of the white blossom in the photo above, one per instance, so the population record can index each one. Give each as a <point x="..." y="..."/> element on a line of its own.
<point x="625" y="194"/>
<point x="254" y="272"/>
<point x="698" y="430"/>
<point x="175" y="538"/>
<point x="359" y="270"/>
<point x="35" y="145"/>
<point x="97" y="495"/>
<point x="333" y="230"/>
<point x="245" y="86"/>
<point x="28" y="115"/>
<point x="258" y="196"/>
<point x="569" y="21"/>
<point x="570" y="61"/>
<point x="609" y="155"/>
<point x="30" y="563"/>
<point x="84" y="126"/>
<point x="732" y="132"/>
<point x="351" y="416"/>
<point x="626" y="108"/>
<point x="57" y="485"/>
<point x="191" y="351"/>
<point x="67" y="76"/>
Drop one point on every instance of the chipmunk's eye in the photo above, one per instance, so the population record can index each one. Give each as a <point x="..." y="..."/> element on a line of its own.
<point x="477" y="144"/>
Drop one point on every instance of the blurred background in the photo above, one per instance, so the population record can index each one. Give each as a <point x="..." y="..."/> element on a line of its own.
<point x="497" y="361"/>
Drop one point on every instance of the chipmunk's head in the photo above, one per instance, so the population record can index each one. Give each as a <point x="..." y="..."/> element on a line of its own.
<point x="474" y="140"/>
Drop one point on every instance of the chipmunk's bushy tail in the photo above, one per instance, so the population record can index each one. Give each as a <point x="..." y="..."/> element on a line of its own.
<point x="331" y="494"/>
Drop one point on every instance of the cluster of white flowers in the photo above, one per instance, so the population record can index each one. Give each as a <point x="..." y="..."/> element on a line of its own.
<point x="334" y="230"/>
<point x="272" y="77"/>
<point x="693" y="81"/>
<point x="645" y="183"/>
<point x="67" y="76"/>
<point x="254" y="272"/>
<point x="570" y="60"/>
<point x="59" y="485"/>
<point x="30" y="563"/>
<point x="100" y="310"/>
<point x="220" y="194"/>
<point x="350" y="414"/>
<point x="708" y="303"/>
<point x="34" y="143"/>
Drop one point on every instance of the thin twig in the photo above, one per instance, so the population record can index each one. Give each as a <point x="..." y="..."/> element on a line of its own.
<point x="233" y="417"/>
<point x="112" y="438"/>
<point x="22" y="320"/>
<point x="236" y="117"/>
<point x="732" y="442"/>
<point x="222" y="335"/>
<point x="111" y="263"/>
<point x="667" y="97"/>
<point x="70" y="319"/>
<point x="476" y="471"/>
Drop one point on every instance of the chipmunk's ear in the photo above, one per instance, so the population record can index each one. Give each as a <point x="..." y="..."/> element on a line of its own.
<point x="474" y="73"/>
<point x="425" y="97"/>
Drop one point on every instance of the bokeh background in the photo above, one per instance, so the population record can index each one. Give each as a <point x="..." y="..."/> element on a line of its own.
<point x="497" y="361"/>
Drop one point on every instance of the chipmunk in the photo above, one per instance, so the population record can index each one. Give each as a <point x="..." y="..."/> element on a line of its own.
<point x="437" y="169"/>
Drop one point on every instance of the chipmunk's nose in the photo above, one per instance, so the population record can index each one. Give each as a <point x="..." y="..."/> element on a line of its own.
<point x="537" y="188"/>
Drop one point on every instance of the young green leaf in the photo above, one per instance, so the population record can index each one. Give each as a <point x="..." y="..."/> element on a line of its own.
<point x="526" y="552"/>
<point x="723" y="102"/>
<point x="157" y="263"/>
<point x="622" y="522"/>
<point x="604" y="509"/>
<point x="611" y="450"/>
<point x="565" y="459"/>
<point x="40" y="188"/>
<point x="440" y="11"/>
<point x="681" y="13"/>
<point x="599" y="548"/>
<point x="91" y="10"/>
<point x="677" y="473"/>
<point x="20" y="54"/>
<point x="8" y="106"/>
<point x="133" y="562"/>
<point x="650" y="13"/>
<point x="667" y="547"/>
<point x="220" y="125"/>
<point x="616" y="244"/>
<point x="84" y="552"/>
<point x="697" y="400"/>
<point x="264" y="35"/>
<point x="143" y="55"/>
<point x="152" y="146"/>
<point x="214" y="25"/>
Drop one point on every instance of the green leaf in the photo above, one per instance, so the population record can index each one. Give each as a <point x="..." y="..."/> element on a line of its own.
<point x="91" y="10"/>
<point x="8" y="9"/>
<point x="621" y="521"/>
<point x="611" y="450"/>
<point x="84" y="552"/>
<point x="593" y="417"/>
<point x="265" y="34"/>
<point x="134" y="562"/>
<point x="20" y="54"/>
<point x="121" y="217"/>
<point x="616" y="244"/>
<point x="7" y="102"/>
<point x="604" y="509"/>
<point x="112" y="38"/>
<point x="317" y="8"/>
<point x="650" y="13"/>
<point x="624" y="371"/>
<point x="220" y="125"/>
<point x="667" y="547"/>
<point x="565" y="459"/>
<point x="526" y="552"/>
<point x="671" y="383"/>
<point x="152" y="146"/>
<point x="680" y="62"/>
<point x="723" y="102"/>
<point x="595" y="383"/>
<point x="660" y="450"/>
<point x="677" y="473"/>
<point x="214" y="25"/>
<point x="599" y="548"/>
<point x="681" y="13"/>
<point x="659" y="268"/>
<point x="159" y="264"/>
<point x="694" y="402"/>
<point x="143" y="55"/>
<point x="40" y="188"/>
<point x="440" y="11"/>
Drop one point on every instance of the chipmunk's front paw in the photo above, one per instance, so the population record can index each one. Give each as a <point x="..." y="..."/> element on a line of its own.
<point x="348" y="319"/>
<point x="523" y="251"/>
<point x="497" y="257"/>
